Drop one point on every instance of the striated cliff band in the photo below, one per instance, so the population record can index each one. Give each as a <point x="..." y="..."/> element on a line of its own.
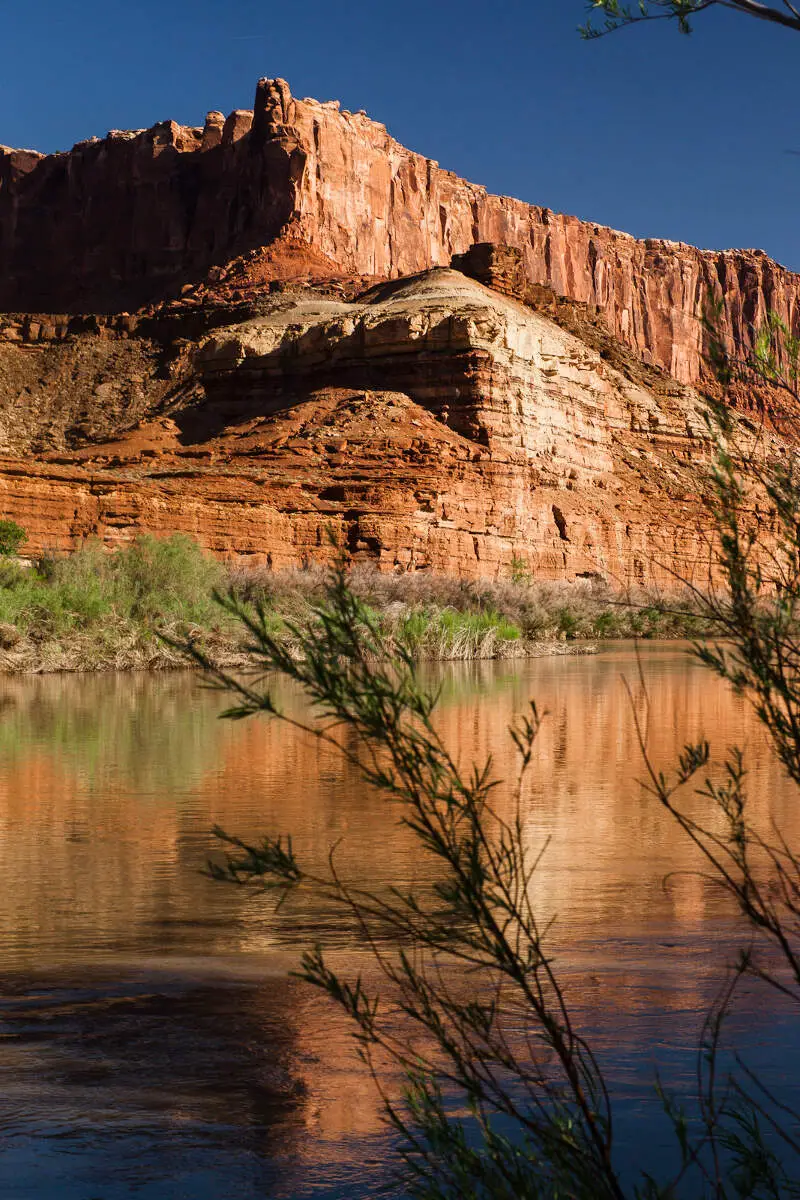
<point x="251" y="332"/>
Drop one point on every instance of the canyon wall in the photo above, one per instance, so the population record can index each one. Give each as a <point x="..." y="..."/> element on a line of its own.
<point x="126" y="220"/>
<point x="251" y="332"/>
<point x="430" y="424"/>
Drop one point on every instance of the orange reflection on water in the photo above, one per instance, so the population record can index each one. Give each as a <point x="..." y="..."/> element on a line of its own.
<point x="109" y="787"/>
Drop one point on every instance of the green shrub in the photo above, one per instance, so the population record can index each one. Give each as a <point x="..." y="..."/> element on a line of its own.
<point x="448" y="633"/>
<point x="151" y="583"/>
<point x="156" y="579"/>
<point x="608" y="625"/>
<point x="503" y="1096"/>
<point x="12" y="537"/>
<point x="538" y="611"/>
<point x="521" y="574"/>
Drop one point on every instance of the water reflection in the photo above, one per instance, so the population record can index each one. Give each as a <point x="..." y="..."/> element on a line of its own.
<point x="152" y="1042"/>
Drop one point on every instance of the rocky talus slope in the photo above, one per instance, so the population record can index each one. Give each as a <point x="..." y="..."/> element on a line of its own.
<point x="259" y="341"/>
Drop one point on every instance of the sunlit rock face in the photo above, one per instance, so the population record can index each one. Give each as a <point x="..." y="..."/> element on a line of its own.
<point x="121" y="221"/>
<point x="250" y="331"/>
<point x="430" y="423"/>
<point x="488" y="367"/>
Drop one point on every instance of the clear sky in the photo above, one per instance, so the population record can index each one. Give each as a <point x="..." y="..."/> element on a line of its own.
<point x="647" y="131"/>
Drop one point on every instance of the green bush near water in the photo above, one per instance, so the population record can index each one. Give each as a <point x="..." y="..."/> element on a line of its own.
<point x="153" y="582"/>
<point x="448" y="633"/>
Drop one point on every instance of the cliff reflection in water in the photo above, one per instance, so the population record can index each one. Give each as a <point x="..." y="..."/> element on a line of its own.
<point x="123" y="965"/>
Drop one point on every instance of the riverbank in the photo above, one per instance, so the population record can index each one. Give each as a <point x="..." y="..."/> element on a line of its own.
<point x="94" y="611"/>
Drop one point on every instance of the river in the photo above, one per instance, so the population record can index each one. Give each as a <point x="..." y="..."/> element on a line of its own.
<point x="152" y="1042"/>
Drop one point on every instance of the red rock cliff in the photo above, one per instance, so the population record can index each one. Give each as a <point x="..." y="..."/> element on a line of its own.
<point x="118" y="222"/>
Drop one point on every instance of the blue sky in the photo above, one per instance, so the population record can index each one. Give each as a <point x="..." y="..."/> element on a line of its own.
<point x="647" y="131"/>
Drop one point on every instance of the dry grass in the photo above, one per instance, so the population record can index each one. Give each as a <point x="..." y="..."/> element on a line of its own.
<point x="94" y="611"/>
<point x="538" y="612"/>
<point x="123" y="649"/>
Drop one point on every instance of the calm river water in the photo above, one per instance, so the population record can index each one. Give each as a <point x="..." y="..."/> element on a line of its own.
<point x="152" y="1044"/>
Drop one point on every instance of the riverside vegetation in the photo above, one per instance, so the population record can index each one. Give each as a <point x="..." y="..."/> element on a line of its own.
<point x="95" y="610"/>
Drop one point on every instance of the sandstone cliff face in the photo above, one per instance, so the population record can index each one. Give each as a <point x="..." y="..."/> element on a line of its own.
<point x="118" y="222"/>
<point x="273" y="346"/>
<point x="489" y="367"/>
<point x="430" y="424"/>
<point x="131" y="216"/>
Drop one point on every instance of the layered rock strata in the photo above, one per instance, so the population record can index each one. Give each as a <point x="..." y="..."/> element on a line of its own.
<point x="430" y="423"/>
<point x="258" y="341"/>
<point x="121" y="221"/>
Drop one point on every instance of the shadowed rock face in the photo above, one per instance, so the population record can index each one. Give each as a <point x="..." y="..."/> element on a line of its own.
<point x="134" y="215"/>
<point x="122" y="221"/>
